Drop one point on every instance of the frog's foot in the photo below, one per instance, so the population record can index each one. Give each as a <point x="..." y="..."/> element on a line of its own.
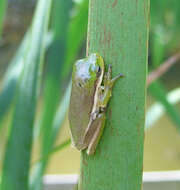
<point x="108" y="80"/>
<point x="106" y="92"/>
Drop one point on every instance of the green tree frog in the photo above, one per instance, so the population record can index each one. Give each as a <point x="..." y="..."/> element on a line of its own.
<point x="90" y="94"/>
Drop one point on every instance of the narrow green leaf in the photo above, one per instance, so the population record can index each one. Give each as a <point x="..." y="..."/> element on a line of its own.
<point x="118" y="32"/>
<point x="18" y="151"/>
<point x="155" y="112"/>
<point x="53" y="85"/>
<point x="12" y="75"/>
<point x="55" y="60"/>
<point x="3" y="4"/>
<point x="76" y="34"/>
<point x="11" y="78"/>
<point x="40" y="166"/>
<point x="159" y="92"/>
<point x="36" y="180"/>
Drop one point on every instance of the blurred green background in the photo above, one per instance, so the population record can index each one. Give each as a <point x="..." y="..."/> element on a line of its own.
<point x="55" y="39"/>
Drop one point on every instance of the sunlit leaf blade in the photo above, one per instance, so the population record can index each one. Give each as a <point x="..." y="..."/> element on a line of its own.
<point x="158" y="91"/>
<point x="2" y="13"/>
<point x="55" y="60"/>
<point x="53" y="83"/>
<point x="36" y="181"/>
<point x="76" y="34"/>
<point x="40" y="166"/>
<point x="155" y="112"/>
<point x="18" y="151"/>
<point x="11" y="78"/>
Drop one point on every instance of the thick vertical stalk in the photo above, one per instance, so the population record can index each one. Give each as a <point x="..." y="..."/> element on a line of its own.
<point x="118" y="31"/>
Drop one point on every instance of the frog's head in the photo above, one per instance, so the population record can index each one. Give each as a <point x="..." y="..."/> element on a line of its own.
<point x="89" y="70"/>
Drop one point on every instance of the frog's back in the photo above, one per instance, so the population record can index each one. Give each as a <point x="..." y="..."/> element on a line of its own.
<point x="81" y="103"/>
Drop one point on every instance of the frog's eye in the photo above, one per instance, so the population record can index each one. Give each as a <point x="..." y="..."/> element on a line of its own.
<point x="99" y="69"/>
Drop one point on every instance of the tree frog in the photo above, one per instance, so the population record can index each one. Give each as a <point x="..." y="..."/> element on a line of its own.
<point x="90" y="94"/>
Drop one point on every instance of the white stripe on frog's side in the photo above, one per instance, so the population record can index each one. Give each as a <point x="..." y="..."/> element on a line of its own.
<point x="96" y="96"/>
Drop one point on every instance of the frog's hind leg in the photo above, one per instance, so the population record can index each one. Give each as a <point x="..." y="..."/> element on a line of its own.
<point x="99" y="124"/>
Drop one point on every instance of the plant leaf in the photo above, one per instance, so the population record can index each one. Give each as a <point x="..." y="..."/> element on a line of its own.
<point x="36" y="180"/>
<point x="76" y="35"/>
<point x="16" y="170"/>
<point x="11" y="78"/>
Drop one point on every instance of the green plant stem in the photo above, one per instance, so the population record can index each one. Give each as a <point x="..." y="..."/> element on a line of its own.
<point x="118" y="31"/>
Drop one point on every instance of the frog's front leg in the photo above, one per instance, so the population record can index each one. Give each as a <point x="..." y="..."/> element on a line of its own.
<point x="106" y="91"/>
<point x="99" y="124"/>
